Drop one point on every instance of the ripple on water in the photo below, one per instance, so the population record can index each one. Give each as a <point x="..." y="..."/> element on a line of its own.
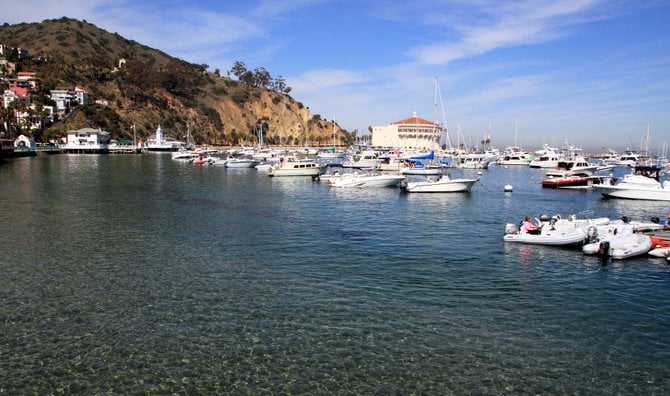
<point x="201" y="280"/>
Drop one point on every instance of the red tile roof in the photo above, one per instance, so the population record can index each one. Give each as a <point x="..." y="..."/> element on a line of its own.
<point x="413" y="121"/>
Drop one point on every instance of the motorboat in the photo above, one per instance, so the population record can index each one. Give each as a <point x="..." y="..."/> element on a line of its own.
<point x="238" y="162"/>
<point x="160" y="142"/>
<point x="292" y="166"/>
<point x="620" y="246"/>
<point x="418" y="167"/>
<point x="659" y="251"/>
<point x="474" y="161"/>
<point x="642" y="184"/>
<point x="660" y="245"/>
<point x="185" y="155"/>
<point x="514" y="156"/>
<point x="547" y="157"/>
<point x="604" y="233"/>
<point x="330" y="153"/>
<point x="554" y="231"/>
<point x="577" y="166"/>
<point x="629" y="158"/>
<point x="391" y="163"/>
<point x="443" y="184"/>
<point x="575" y="181"/>
<point x="204" y="160"/>
<point x="366" y="160"/>
<point x="365" y="180"/>
<point x="547" y="236"/>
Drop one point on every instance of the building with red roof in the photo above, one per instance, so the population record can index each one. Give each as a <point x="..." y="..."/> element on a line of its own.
<point x="410" y="133"/>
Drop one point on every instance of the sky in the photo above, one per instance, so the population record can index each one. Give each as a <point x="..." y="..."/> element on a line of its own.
<point x="588" y="73"/>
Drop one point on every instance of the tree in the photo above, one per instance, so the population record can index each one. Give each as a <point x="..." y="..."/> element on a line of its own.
<point x="262" y="78"/>
<point x="238" y="69"/>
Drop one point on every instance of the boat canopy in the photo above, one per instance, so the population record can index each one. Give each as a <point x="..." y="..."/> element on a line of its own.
<point x="428" y="156"/>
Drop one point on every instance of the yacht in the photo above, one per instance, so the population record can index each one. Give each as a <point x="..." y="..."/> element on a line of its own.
<point x="629" y="158"/>
<point x="547" y="157"/>
<point x="292" y="166"/>
<point x="365" y="160"/>
<point x="514" y="156"/>
<point x="160" y="142"/>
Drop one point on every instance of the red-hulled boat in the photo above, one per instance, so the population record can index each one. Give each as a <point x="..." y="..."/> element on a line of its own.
<point x="574" y="181"/>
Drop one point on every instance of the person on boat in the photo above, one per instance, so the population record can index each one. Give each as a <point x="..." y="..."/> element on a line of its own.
<point x="527" y="227"/>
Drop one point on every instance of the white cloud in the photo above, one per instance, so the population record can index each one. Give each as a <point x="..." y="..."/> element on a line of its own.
<point x="504" y="25"/>
<point x="318" y="80"/>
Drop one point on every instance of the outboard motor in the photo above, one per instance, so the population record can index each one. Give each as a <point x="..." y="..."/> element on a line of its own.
<point x="604" y="248"/>
<point x="511" y="228"/>
<point x="592" y="234"/>
<point x="625" y="219"/>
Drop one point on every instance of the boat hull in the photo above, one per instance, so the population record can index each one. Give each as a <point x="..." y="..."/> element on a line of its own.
<point x="366" y="181"/>
<point x="279" y="172"/>
<point x="441" y="186"/>
<point x="657" y="194"/>
<point x="558" y="237"/>
<point x="241" y="163"/>
<point x="421" y="171"/>
<point x="620" y="247"/>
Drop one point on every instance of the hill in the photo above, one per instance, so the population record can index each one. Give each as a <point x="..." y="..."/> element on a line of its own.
<point x="145" y="87"/>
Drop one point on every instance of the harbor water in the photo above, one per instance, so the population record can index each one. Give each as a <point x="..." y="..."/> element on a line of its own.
<point x="140" y="274"/>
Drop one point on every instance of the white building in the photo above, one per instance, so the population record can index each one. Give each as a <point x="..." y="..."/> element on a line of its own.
<point x="87" y="141"/>
<point x="411" y="133"/>
<point x="81" y="95"/>
<point x="64" y="99"/>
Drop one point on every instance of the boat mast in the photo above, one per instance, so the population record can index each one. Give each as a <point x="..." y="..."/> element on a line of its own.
<point x="438" y="94"/>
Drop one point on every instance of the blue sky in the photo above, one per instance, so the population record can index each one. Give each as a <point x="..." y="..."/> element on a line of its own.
<point x="587" y="72"/>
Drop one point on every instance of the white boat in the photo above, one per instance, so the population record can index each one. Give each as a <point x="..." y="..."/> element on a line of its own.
<point x="292" y="166"/>
<point x="514" y="157"/>
<point x="265" y="167"/>
<point x="365" y="160"/>
<point x="160" y="142"/>
<point x="629" y="158"/>
<point x="365" y="180"/>
<point x="185" y="155"/>
<point x="573" y="167"/>
<point x="554" y="231"/>
<point x="642" y="184"/>
<point x="417" y="167"/>
<point x="547" y="157"/>
<point x="332" y="152"/>
<point x="391" y="163"/>
<point x="620" y="246"/>
<point x="547" y="236"/>
<point x="604" y="233"/>
<point x="444" y="184"/>
<point x="475" y="161"/>
<point x="236" y="162"/>
<point x="659" y="251"/>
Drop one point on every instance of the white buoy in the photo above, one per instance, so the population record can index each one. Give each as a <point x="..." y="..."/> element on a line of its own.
<point x="508" y="188"/>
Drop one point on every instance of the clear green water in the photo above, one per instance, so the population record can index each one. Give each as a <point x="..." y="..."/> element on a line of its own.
<point x="139" y="274"/>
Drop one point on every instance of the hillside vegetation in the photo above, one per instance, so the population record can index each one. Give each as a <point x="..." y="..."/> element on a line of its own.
<point x="150" y="88"/>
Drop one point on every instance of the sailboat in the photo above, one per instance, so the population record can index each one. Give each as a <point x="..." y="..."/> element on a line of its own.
<point x="332" y="152"/>
<point x="515" y="155"/>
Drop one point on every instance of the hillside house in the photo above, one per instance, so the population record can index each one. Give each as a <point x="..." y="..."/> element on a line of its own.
<point x="87" y="141"/>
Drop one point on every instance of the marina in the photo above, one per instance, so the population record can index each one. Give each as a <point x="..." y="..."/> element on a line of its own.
<point x="143" y="274"/>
